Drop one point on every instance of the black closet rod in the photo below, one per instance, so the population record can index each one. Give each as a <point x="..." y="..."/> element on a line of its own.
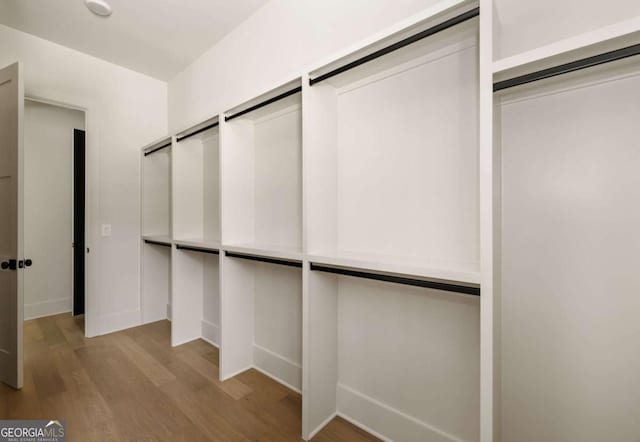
<point x="263" y="259"/>
<point x="474" y="291"/>
<point x="264" y="103"/>
<point x="156" y="243"/>
<point x="197" y="249"/>
<point x="566" y="68"/>
<point x="196" y="132"/>
<point x="399" y="45"/>
<point x="155" y="149"/>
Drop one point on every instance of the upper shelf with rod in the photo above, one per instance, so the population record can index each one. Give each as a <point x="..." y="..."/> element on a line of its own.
<point x="435" y="31"/>
<point x="270" y="102"/>
<point x="527" y="32"/>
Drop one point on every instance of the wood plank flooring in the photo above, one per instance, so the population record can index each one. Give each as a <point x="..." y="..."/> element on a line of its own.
<point x="133" y="386"/>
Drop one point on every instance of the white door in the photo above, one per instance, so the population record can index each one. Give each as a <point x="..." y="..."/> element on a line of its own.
<point x="11" y="260"/>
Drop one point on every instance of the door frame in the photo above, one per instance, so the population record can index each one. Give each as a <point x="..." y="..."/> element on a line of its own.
<point x="91" y="181"/>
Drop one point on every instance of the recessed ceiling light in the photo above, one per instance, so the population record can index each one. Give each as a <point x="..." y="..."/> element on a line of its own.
<point x="98" y="7"/>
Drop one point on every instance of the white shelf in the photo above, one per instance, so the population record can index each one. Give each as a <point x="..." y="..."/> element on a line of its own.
<point x="534" y="29"/>
<point x="266" y="250"/>
<point x="461" y="273"/>
<point x="206" y="244"/>
<point x="163" y="239"/>
<point x="619" y="34"/>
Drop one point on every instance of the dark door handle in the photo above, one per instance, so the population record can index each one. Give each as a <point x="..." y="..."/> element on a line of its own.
<point x="28" y="263"/>
<point x="12" y="264"/>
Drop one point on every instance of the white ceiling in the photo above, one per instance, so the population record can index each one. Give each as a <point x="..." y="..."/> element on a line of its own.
<point x="156" y="37"/>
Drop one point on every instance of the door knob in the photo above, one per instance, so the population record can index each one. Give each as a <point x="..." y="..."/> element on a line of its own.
<point x="28" y="263"/>
<point x="12" y="264"/>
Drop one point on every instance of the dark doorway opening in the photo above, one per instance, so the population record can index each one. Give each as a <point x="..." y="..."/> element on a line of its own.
<point x="78" y="221"/>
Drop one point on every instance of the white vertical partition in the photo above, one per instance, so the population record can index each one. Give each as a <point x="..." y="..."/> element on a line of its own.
<point x="187" y="296"/>
<point x="489" y="211"/>
<point x="237" y="317"/>
<point x="155" y="265"/>
<point x="320" y="368"/>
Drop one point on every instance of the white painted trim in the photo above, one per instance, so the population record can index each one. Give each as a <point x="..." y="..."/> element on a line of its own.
<point x="47" y="308"/>
<point x="322" y="425"/>
<point x="92" y="169"/>
<point x="242" y="370"/>
<point x="372" y="407"/>
<point x="280" y="381"/>
<point x="362" y="426"/>
<point x="184" y="341"/>
<point x="211" y="333"/>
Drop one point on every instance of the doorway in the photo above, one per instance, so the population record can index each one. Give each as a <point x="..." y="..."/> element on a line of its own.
<point x="54" y="209"/>
<point x="79" y="246"/>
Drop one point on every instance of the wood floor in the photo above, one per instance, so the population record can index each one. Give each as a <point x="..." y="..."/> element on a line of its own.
<point x="133" y="386"/>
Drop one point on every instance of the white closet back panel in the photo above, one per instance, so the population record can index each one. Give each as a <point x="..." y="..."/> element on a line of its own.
<point x="522" y="26"/>
<point x="408" y="159"/>
<point x="415" y="352"/>
<point x="156" y="282"/>
<point x="278" y="180"/>
<point x="278" y="322"/>
<point x="211" y="299"/>
<point x="156" y="190"/>
<point x="211" y="157"/>
<point x="570" y="276"/>
<point x="188" y="189"/>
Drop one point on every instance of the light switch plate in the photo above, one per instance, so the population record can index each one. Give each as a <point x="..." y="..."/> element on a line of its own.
<point x="106" y="230"/>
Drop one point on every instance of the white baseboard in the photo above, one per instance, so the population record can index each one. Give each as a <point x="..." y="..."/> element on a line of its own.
<point x="236" y="373"/>
<point x="211" y="333"/>
<point x="47" y="308"/>
<point x="118" y="321"/>
<point x="321" y="426"/>
<point x="279" y="381"/>
<point x="383" y="421"/>
<point x="281" y="369"/>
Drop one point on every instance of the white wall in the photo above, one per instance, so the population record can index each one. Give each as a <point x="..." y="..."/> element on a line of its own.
<point x="48" y="151"/>
<point x="125" y="110"/>
<point x="276" y="43"/>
